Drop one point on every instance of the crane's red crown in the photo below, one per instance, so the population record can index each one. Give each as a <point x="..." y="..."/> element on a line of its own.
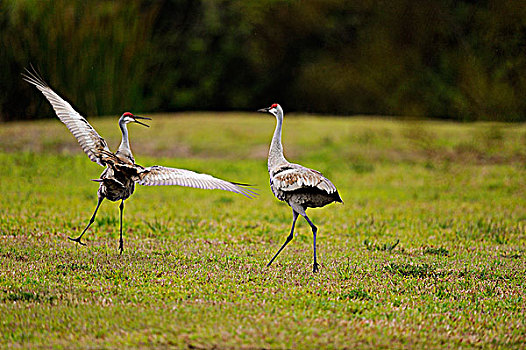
<point x="275" y="105"/>
<point x="127" y="114"/>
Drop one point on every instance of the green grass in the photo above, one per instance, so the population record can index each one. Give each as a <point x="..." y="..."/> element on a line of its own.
<point x="427" y="251"/>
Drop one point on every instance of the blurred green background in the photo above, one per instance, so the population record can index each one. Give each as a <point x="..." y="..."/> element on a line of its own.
<point x="462" y="60"/>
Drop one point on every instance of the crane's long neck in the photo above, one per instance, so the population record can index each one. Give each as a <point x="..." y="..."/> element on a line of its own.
<point x="275" y="154"/>
<point x="125" y="143"/>
<point x="124" y="148"/>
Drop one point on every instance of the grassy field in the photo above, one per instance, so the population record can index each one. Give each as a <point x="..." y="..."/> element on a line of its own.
<point x="427" y="251"/>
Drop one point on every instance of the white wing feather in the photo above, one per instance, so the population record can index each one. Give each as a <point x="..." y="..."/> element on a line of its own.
<point x="91" y="142"/>
<point x="163" y="176"/>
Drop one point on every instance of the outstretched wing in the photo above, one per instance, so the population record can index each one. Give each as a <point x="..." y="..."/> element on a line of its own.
<point x="91" y="142"/>
<point x="294" y="177"/>
<point x="160" y="176"/>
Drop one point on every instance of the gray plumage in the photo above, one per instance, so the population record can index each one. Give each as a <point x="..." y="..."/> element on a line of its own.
<point x="298" y="186"/>
<point x="117" y="181"/>
<point x="306" y="187"/>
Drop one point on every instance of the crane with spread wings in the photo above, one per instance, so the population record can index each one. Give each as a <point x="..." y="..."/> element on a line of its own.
<point x="117" y="181"/>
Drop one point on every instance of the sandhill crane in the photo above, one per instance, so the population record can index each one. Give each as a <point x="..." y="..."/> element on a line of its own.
<point x="117" y="181"/>
<point x="298" y="186"/>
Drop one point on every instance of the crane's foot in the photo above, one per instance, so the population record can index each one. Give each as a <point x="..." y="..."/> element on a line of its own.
<point x="315" y="267"/>
<point x="77" y="240"/>
<point x="121" y="248"/>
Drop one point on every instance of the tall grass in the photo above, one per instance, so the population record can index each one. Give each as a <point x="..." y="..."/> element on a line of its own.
<point x="96" y="54"/>
<point x="457" y="60"/>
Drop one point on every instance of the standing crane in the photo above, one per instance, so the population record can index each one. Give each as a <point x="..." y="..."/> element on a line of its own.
<point x="298" y="186"/>
<point x="117" y="181"/>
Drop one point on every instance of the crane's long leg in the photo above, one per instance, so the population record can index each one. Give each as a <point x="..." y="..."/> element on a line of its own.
<point x="314" y="231"/>
<point x="289" y="238"/>
<point x="121" y="247"/>
<point x="89" y="224"/>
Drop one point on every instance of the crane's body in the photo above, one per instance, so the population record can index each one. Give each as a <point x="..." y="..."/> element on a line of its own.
<point x="298" y="186"/>
<point x="115" y="185"/>
<point x="302" y="187"/>
<point x="117" y="181"/>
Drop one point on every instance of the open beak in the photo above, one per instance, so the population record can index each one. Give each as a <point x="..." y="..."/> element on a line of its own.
<point x="264" y="110"/>
<point x="144" y="118"/>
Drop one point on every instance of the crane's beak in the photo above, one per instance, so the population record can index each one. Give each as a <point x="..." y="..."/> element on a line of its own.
<point x="264" y="110"/>
<point x="144" y="118"/>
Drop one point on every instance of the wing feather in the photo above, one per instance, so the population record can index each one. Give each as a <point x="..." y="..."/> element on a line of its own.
<point x="162" y="176"/>
<point x="90" y="141"/>
<point x="293" y="177"/>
